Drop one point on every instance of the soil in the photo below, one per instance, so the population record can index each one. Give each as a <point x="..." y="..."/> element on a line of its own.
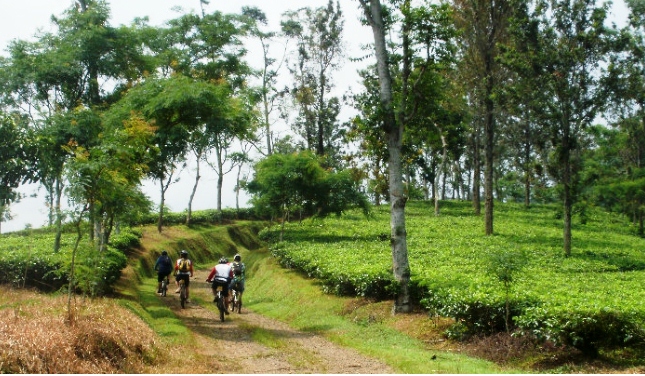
<point x="250" y="343"/>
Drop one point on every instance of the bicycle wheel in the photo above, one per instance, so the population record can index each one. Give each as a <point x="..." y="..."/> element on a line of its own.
<point x="182" y="293"/>
<point x="233" y="300"/>
<point x="237" y="301"/>
<point x="220" y="305"/>
<point x="164" y="287"/>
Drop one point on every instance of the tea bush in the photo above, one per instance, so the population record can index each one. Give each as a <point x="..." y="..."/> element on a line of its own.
<point x="591" y="300"/>
<point x="29" y="260"/>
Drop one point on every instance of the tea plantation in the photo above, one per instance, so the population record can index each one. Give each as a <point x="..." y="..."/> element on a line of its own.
<point x="517" y="280"/>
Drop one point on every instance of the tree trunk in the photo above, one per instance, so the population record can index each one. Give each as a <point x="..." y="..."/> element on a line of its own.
<point x="192" y="194"/>
<point x="489" y="141"/>
<point x="394" y="134"/>
<point x="320" y="144"/>
<point x="58" y="214"/>
<point x="476" y="171"/>
<point x="161" y="205"/>
<point x="566" y="182"/>
<point x="237" y="188"/>
<point x="164" y="188"/>
<point x="527" y="164"/>
<point x="444" y="158"/>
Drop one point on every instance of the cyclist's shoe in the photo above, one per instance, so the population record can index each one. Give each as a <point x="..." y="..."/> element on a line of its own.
<point x="159" y="291"/>
<point x="177" y="291"/>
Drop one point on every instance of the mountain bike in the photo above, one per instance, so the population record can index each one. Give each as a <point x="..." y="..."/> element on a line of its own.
<point x="182" y="293"/>
<point x="236" y="301"/>
<point x="164" y="286"/>
<point x="219" y="301"/>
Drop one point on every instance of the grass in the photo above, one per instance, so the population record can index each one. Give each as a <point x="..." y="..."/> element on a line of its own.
<point x="603" y="248"/>
<point x="36" y="337"/>
<point x="283" y="294"/>
<point x="450" y="256"/>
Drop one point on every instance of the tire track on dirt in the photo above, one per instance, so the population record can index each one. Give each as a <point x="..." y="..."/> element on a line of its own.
<point x="251" y="343"/>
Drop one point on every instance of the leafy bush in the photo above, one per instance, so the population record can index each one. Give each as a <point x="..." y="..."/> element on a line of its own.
<point x="96" y="272"/>
<point x="126" y="239"/>
<point x="199" y="217"/>
<point x="341" y="278"/>
<point x="459" y="273"/>
<point x="30" y="261"/>
<point x="475" y="312"/>
<point x="587" y="331"/>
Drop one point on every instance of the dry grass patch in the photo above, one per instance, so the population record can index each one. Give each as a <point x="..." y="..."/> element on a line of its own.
<point x="103" y="337"/>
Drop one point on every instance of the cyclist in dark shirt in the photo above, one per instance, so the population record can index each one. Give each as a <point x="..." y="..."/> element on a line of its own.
<point x="163" y="266"/>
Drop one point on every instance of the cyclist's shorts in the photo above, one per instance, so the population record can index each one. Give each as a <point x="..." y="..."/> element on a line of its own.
<point x="161" y="275"/>
<point x="237" y="285"/>
<point x="223" y="284"/>
<point x="185" y="277"/>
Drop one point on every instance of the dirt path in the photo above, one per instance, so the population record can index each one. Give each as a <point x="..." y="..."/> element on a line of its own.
<point x="250" y="343"/>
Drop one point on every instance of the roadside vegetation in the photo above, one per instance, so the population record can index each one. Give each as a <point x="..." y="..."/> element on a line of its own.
<point x="516" y="281"/>
<point x="337" y="284"/>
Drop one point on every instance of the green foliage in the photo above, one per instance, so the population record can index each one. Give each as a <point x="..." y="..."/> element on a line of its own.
<point x="96" y="272"/>
<point x="564" y="299"/>
<point x="200" y="217"/>
<point x="126" y="239"/>
<point x="588" y="331"/>
<point x="15" y="157"/>
<point x="286" y="183"/>
<point x="28" y="259"/>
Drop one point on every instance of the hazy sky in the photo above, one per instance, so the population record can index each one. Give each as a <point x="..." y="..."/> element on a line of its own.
<point x="23" y="20"/>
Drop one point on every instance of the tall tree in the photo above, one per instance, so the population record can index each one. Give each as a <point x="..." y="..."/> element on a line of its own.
<point x="523" y="133"/>
<point x="393" y="130"/>
<point x="625" y="87"/>
<point x="484" y="23"/>
<point x="574" y="42"/>
<point x="16" y="156"/>
<point x="319" y="48"/>
<point x="209" y="50"/>
<point x="269" y="71"/>
<point x="49" y="78"/>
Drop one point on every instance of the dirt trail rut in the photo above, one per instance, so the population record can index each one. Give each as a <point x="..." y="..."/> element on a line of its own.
<point x="230" y="347"/>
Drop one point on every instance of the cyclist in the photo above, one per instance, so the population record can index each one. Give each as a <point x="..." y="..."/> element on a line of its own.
<point x="239" y="271"/>
<point x="221" y="275"/>
<point x="184" y="270"/>
<point x="163" y="266"/>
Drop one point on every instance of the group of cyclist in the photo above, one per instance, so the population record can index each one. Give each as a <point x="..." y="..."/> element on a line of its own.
<point x="229" y="275"/>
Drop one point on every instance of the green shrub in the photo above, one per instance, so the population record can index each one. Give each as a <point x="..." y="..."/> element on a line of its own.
<point x="459" y="273"/>
<point x="199" y="217"/>
<point x="589" y="332"/>
<point x="476" y="313"/>
<point x="97" y="271"/>
<point x="126" y="239"/>
<point x="29" y="260"/>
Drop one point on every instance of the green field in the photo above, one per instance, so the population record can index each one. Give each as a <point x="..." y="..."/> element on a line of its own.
<point x="517" y="280"/>
<point x="592" y="299"/>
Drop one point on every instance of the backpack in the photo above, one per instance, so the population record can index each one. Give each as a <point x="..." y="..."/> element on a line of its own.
<point x="237" y="268"/>
<point x="184" y="265"/>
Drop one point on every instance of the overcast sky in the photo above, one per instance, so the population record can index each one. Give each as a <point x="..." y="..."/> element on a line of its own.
<point x="23" y="20"/>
